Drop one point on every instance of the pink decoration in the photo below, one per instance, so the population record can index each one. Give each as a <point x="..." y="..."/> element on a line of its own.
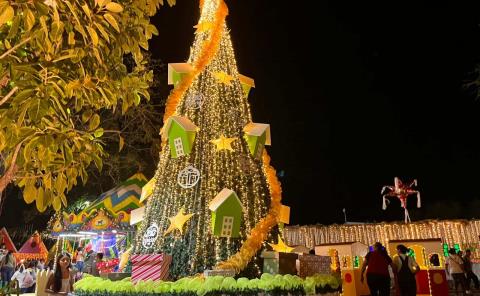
<point x="151" y="266"/>
<point x="401" y="191"/>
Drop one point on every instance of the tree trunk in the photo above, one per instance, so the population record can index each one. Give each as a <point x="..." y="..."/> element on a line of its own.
<point x="12" y="169"/>
<point x="8" y="177"/>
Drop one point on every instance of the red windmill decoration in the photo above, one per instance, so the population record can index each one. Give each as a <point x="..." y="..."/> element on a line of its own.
<point x="401" y="191"/>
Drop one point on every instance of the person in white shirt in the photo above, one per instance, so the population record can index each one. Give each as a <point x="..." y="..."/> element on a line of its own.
<point x="456" y="270"/>
<point x="25" y="278"/>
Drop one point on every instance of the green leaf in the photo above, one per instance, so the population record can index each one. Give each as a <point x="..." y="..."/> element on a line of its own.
<point x="112" y="21"/>
<point x="98" y="162"/>
<point x="102" y="31"/>
<point x="60" y="183"/>
<point x="114" y="7"/>
<point x="40" y="200"/>
<point x="98" y="133"/>
<point x="2" y="141"/>
<point x="47" y="181"/>
<point x="57" y="203"/>
<point x="14" y="28"/>
<point x="68" y="155"/>
<point x="41" y="7"/>
<point x="63" y="199"/>
<point x="87" y="10"/>
<point x="29" y="19"/>
<point x="24" y="94"/>
<point x="71" y="38"/>
<point x="30" y="193"/>
<point x="94" y="122"/>
<point x="6" y="15"/>
<point x="79" y="26"/>
<point x="93" y="35"/>
<point x="86" y="115"/>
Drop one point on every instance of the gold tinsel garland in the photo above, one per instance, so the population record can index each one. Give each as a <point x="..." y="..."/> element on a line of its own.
<point x="259" y="233"/>
<point x="206" y="55"/>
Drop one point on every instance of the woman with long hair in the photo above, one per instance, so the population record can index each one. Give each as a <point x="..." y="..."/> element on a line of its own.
<point x="8" y="268"/>
<point x="61" y="281"/>
<point x="406" y="268"/>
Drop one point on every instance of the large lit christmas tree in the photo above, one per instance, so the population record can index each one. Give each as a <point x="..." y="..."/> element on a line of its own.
<point x="215" y="197"/>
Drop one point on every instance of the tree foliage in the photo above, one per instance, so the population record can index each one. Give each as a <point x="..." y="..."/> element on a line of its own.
<point x="61" y="65"/>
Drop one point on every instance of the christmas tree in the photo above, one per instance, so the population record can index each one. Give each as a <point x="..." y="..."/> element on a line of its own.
<point x="215" y="197"/>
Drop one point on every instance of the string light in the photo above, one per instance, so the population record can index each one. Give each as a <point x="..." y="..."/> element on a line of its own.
<point x="461" y="232"/>
<point x="198" y="249"/>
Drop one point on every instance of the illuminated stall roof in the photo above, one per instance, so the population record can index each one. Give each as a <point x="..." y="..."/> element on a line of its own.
<point x="124" y="197"/>
<point x="32" y="249"/>
<point x="110" y="212"/>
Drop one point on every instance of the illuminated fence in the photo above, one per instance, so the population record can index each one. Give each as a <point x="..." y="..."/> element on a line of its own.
<point x="462" y="234"/>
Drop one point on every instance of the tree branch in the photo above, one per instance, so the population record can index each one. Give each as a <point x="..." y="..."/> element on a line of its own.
<point x="5" y="98"/>
<point x="14" y="48"/>
<point x="12" y="169"/>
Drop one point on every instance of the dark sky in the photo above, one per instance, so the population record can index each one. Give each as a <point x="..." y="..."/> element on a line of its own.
<point x="356" y="93"/>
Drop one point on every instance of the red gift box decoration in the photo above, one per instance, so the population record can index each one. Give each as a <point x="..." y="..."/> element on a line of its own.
<point x="150" y="267"/>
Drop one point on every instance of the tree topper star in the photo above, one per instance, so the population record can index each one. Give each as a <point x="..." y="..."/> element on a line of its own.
<point x="223" y="143"/>
<point x="281" y="246"/>
<point x="178" y="221"/>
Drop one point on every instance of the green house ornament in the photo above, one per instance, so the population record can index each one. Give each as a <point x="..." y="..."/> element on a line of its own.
<point x="181" y="135"/>
<point x="257" y="136"/>
<point x="226" y="214"/>
<point x="247" y="84"/>
<point x="176" y="71"/>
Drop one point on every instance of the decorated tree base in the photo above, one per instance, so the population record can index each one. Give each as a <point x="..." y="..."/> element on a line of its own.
<point x="213" y="286"/>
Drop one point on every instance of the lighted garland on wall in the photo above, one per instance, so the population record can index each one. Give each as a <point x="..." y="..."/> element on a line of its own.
<point x="464" y="233"/>
<point x="259" y="233"/>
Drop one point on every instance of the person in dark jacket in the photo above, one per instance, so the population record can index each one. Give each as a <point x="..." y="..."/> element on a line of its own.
<point x="406" y="267"/>
<point x="467" y="266"/>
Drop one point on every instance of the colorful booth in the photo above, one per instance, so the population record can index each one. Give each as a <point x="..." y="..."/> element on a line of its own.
<point x="6" y="240"/>
<point x="347" y="258"/>
<point x="110" y="213"/>
<point x="104" y="226"/>
<point x="32" y="249"/>
<point x="431" y="279"/>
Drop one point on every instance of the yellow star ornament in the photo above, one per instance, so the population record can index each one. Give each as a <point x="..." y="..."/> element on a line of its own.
<point x="281" y="246"/>
<point x="177" y="221"/>
<point x="203" y="27"/>
<point x="223" y="143"/>
<point x="223" y="77"/>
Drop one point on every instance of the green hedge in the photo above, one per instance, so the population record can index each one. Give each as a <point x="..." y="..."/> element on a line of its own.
<point x="268" y="284"/>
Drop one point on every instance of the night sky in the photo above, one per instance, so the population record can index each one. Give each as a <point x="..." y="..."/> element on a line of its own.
<point x="356" y="94"/>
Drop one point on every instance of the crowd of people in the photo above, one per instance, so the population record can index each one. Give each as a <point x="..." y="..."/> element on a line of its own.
<point x="378" y="265"/>
<point x="62" y="279"/>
